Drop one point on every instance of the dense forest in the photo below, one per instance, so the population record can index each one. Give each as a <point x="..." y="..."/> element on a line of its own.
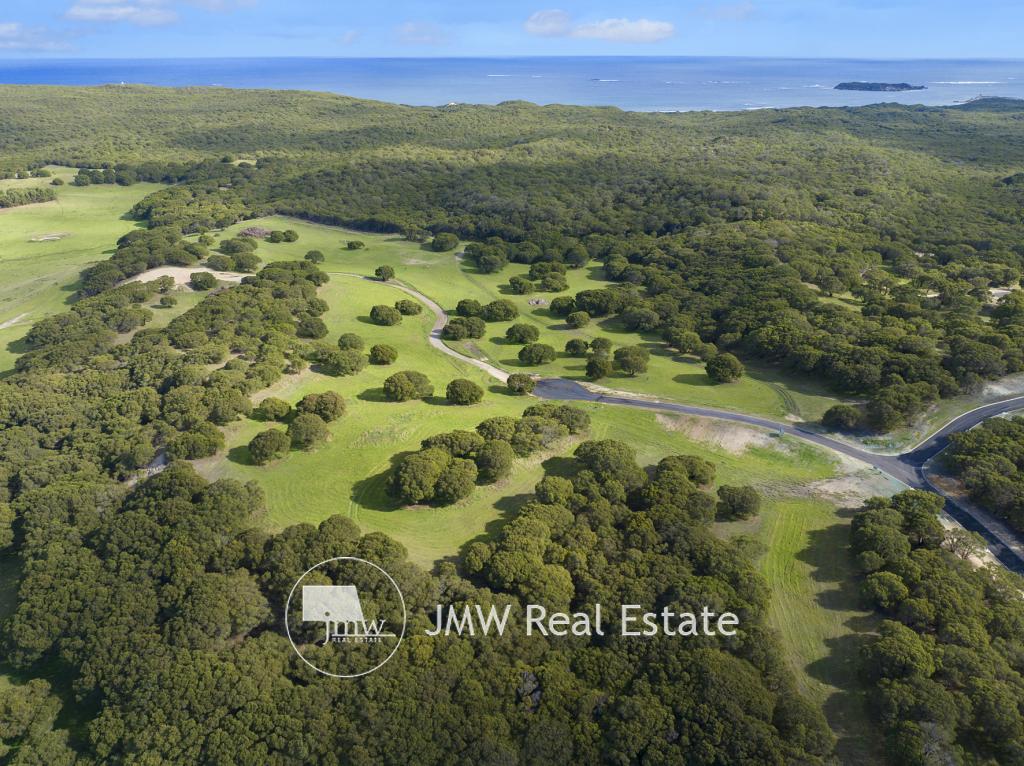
<point x="734" y="231"/>
<point x="159" y="601"/>
<point x="948" y="664"/>
<point x="857" y="246"/>
<point x="989" y="460"/>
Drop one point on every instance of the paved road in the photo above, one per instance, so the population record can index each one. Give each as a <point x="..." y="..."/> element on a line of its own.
<point x="909" y="467"/>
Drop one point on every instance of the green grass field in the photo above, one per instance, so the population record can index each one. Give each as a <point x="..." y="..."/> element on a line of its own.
<point x="804" y="537"/>
<point x="816" y="611"/>
<point x="444" y="278"/>
<point x="44" y="247"/>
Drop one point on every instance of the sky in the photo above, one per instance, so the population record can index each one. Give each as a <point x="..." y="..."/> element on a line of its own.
<point x="883" y="29"/>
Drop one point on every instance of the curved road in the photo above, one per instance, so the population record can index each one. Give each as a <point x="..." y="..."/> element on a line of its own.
<point x="908" y="468"/>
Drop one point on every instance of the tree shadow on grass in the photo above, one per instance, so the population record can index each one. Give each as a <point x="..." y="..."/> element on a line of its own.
<point x="828" y="553"/>
<point x="500" y="390"/>
<point x="372" y="395"/>
<point x="371" y="493"/>
<point x="240" y="455"/>
<point x="560" y="465"/>
<point x="508" y="508"/>
<point x="365" y="319"/>
<point x="693" y="379"/>
<point x="18" y="346"/>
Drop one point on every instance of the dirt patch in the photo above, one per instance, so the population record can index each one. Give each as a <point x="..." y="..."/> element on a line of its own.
<point x="995" y="293"/>
<point x="12" y="322"/>
<point x="852" y="485"/>
<point x="55" y="237"/>
<point x="1011" y="385"/>
<point x="537" y="302"/>
<point x="732" y="437"/>
<point x="182" y="274"/>
<point x="416" y="262"/>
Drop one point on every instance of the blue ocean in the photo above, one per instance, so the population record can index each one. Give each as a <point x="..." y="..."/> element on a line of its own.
<point x="631" y="83"/>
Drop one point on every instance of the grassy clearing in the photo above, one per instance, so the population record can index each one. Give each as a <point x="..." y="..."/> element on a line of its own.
<point x="41" y="276"/>
<point x="445" y="279"/>
<point x="816" y="611"/>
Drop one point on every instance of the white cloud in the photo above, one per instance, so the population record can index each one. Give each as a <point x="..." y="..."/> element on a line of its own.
<point x="421" y="33"/>
<point x="626" y="30"/>
<point x="349" y="37"/>
<point x="143" y="13"/>
<point x="17" y="37"/>
<point x="557" y="23"/>
<point x="553" y="23"/>
<point x="728" y="12"/>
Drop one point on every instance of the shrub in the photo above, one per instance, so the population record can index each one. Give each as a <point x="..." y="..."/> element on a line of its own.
<point x="168" y="301"/>
<point x="536" y="353"/>
<point x="460" y="328"/>
<point x="314" y="256"/>
<point x="573" y="418"/>
<point x="349" y="341"/>
<point x="202" y="280"/>
<point x="535" y="433"/>
<point x="383" y="354"/>
<point x="444" y="242"/>
<point x="201" y="441"/>
<point x="520" y="384"/>
<point x="307" y="431"/>
<point x="468" y="307"/>
<point x="502" y="428"/>
<point x="632" y="359"/>
<point x="219" y="262"/>
<point x="355" y="244"/>
<point x="521" y="285"/>
<point x="385" y="315"/>
<point x="269" y="445"/>
<point x="461" y="391"/>
<point x="842" y="417"/>
<point x="598" y="367"/>
<point x="522" y="333"/>
<point x="406" y="385"/>
<point x="562" y="306"/>
<point x="456" y="443"/>
<point x="341" y="362"/>
<point x="417" y="474"/>
<point x="407" y="307"/>
<point x="578" y="319"/>
<point x="501" y="310"/>
<point x="311" y="327"/>
<point x="737" y="502"/>
<point x="384" y="273"/>
<point x="329" y="406"/>
<point x="577" y="347"/>
<point x="455" y="482"/>
<point x="724" y="368"/>
<point x="273" y="408"/>
<point x="493" y="461"/>
<point x="601" y="346"/>
<point x="246" y="262"/>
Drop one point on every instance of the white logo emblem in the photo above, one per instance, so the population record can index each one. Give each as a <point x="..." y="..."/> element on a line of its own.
<point x="346" y="630"/>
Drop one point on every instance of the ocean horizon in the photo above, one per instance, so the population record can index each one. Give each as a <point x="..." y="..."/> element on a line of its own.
<point x="655" y="83"/>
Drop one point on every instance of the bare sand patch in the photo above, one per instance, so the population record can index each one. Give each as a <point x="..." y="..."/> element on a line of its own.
<point x="13" y="321"/>
<point x="732" y="437"/>
<point x="853" y="483"/>
<point x="995" y="293"/>
<point x="54" y="237"/>
<point x="182" y="274"/>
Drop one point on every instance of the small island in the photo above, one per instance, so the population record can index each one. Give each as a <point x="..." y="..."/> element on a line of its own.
<point x="885" y="87"/>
